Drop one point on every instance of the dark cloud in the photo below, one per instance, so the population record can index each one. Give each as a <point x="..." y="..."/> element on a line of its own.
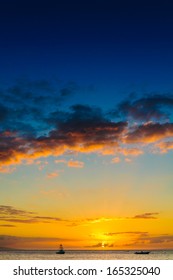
<point x="152" y="107"/>
<point x="25" y="105"/>
<point x="158" y="239"/>
<point x="7" y="225"/>
<point x="163" y="239"/>
<point x="143" y="233"/>
<point x="87" y="125"/>
<point x="69" y="89"/>
<point x="19" y="241"/>
<point x="147" y="216"/>
<point x="10" y="210"/>
<point x="15" y="220"/>
<point x="149" y="133"/>
<point x="3" y="113"/>
<point x="47" y="218"/>
<point x="13" y="215"/>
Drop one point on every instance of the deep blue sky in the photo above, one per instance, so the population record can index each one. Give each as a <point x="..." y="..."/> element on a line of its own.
<point x="114" y="47"/>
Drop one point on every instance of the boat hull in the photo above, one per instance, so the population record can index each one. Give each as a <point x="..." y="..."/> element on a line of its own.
<point x="60" y="252"/>
<point x="142" y="253"/>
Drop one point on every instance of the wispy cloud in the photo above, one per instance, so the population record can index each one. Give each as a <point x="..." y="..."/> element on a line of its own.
<point x="10" y="210"/>
<point x="75" y="164"/>
<point x="14" y="215"/>
<point x="151" y="240"/>
<point x="153" y="215"/>
<point x="100" y="245"/>
<point x="116" y="160"/>
<point x="6" y="225"/>
<point x="52" y="175"/>
<point x="22" y="242"/>
<point x="143" y="233"/>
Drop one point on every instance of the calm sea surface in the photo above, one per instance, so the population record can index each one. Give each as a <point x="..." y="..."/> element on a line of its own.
<point x="85" y="255"/>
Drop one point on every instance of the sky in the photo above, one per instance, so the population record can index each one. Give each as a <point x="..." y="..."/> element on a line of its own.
<point x="86" y="134"/>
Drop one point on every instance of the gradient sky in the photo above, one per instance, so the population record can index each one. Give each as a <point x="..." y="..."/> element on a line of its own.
<point x="86" y="135"/>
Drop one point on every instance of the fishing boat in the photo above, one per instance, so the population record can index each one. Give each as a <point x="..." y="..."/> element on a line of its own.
<point x="142" y="252"/>
<point x="61" y="250"/>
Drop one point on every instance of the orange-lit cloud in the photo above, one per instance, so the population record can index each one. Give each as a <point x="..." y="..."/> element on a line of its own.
<point x="165" y="146"/>
<point x="106" y="138"/>
<point x="52" y="175"/>
<point x="149" y="133"/>
<point x="75" y="163"/>
<point x="116" y="160"/>
<point x="130" y="151"/>
<point x="7" y="169"/>
<point x="128" y="160"/>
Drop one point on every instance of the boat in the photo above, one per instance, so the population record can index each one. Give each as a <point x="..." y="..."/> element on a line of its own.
<point x="142" y="252"/>
<point x="61" y="250"/>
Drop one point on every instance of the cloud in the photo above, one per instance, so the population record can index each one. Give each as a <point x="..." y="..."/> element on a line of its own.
<point x="47" y="218"/>
<point x="147" y="216"/>
<point x="143" y="233"/>
<point x="150" y="240"/>
<point x="149" y="133"/>
<point x="76" y="164"/>
<point x="60" y="161"/>
<point x="52" y="175"/>
<point x="5" y="225"/>
<point x="7" y="169"/>
<point x="19" y="241"/>
<point x="128" y="160"/>
<point x="13" y="215"/>
<point x="115" y="160"/>
<point x="10" y="210"/>
<point x="71" y="163"/>
<point x="151" y="107"/>
<point x="165" y="146"/>
<point x="87" y="128"/>
<point x="130" y="151"/>
<point x="26" y="105"/>
<point x="165" y="238"/>
<point x="84" y="130"/>
<point x="22" y="220"/>
<point x="88" y="221"/>
<point x="101" y="245"/>
<point x="34" y="127"/>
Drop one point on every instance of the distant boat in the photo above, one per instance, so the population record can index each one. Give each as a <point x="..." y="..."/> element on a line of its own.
<point x="61" y="250"/>
<point x="142" y="252"/>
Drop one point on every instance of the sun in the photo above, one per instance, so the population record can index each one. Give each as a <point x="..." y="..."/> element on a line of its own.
<point x="103" y="245"/>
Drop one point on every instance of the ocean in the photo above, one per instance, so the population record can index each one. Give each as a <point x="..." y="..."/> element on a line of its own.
<point x="84" y="255"/>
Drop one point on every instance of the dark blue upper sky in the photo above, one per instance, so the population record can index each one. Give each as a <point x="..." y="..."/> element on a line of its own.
<point x="109" y="48"/>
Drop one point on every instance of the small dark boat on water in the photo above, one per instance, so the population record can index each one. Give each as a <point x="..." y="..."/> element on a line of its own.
<point x="61" y="250"/>
<point x="142" y="252"/>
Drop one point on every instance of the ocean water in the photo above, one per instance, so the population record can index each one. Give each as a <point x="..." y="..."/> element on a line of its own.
<point x="85" y="255"/>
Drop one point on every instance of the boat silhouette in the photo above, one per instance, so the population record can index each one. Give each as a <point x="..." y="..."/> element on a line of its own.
<point x="142" y="252"/>
<point x="61" y="250"/>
